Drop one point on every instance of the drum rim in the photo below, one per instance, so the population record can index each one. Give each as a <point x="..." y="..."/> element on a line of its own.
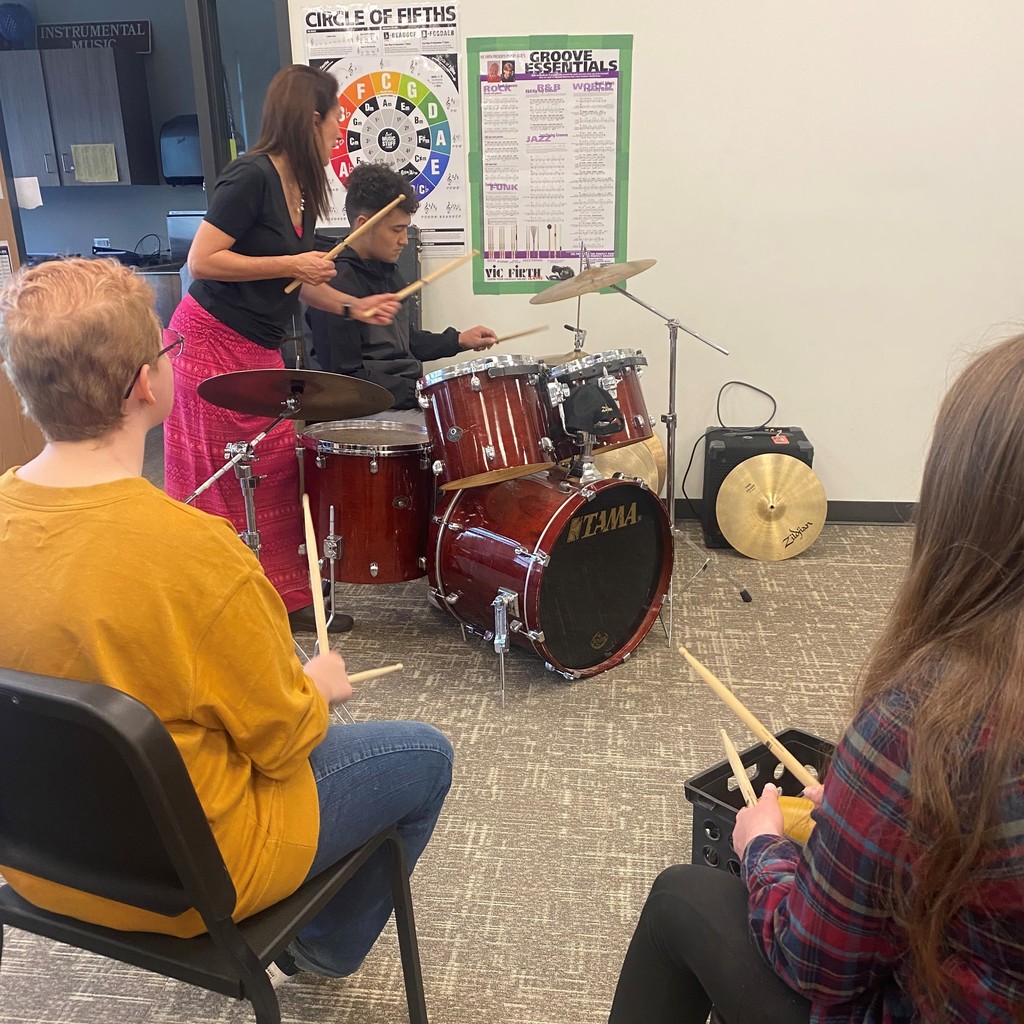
<point x="311" y="440"/>
<point x="619" y="356"/>
<point x="528" y="364"/>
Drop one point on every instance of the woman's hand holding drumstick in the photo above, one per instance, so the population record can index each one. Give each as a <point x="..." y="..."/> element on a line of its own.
<point x="750" y="721"/>
<point x="352" y="236"/>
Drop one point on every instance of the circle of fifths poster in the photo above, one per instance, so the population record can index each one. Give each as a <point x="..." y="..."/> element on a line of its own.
<point x="549" y="156"/>
<point x="397" y="67"/>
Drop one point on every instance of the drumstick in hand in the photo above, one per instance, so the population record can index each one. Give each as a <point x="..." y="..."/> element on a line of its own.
<point x="374" y="673"/>
<point x="315" y="584"/>
<point x="352" y="236"/>
<point x="742" y="779"/>
<point x="521" y="334"/>
<point x="750" y="721"/>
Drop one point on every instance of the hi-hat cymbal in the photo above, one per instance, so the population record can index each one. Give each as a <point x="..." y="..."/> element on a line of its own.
<point x="319" y="395"/>
<point x="771" y="507"/>
<point x="592" y="279"/>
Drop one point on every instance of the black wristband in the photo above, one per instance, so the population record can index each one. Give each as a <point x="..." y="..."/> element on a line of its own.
<point x="346" y="311"/>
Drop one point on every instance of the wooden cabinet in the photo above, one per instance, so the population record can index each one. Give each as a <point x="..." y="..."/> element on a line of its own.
<point x="93" y="96"/>
<point x="27" y="117"/>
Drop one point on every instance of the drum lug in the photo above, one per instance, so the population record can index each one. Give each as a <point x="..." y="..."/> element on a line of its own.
<point x="456" y="527"/>
<point x="536" y="635"/>
<point x="425" y="462"/>
<point x="537" y="557"/>
<point x="638" y="421"/>
<point x="533" y="379"/>
<point x="422" y="561"/>
<point x="588" y="494"/>
<point x="547" y="445"/>
<point x="489" y="453"/>
<point x="650" y="421"/>
<point x="437" y="468"/>
<point x="321" y="462"/>
<point x="557" y="392"/>
<point x="421" y="399"/>
<point x="374" y="468"/>
<point x="474" y="383"/>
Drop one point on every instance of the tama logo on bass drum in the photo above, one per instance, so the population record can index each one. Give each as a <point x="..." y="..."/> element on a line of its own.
<point x="581" y="527"/>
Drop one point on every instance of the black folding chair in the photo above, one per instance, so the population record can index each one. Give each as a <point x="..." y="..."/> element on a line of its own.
<point x="94" y="795"/>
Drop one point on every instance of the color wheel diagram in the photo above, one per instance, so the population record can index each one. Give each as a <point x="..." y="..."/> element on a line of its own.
<point x="395" y="118"/>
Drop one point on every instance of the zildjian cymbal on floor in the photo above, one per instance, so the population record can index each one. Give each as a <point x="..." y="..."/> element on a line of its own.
<point x="771" y="507"/>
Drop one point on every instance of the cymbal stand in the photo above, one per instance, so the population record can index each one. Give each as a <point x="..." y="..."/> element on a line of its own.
<point x="240" y="456"/>
<point x="670" y="419"/>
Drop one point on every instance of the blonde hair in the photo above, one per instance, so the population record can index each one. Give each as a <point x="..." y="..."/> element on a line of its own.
<point x="72" y="333"/>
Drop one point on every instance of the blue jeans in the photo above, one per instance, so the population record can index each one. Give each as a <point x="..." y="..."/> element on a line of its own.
<point x="369" y="776"/>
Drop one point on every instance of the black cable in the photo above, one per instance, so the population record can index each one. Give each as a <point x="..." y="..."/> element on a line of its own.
<point x="686" y="473"/>
<point x="151" y="234"/>
<point x="744" y="384"/>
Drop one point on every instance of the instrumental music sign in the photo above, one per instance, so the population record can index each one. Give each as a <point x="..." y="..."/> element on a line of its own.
<point x="134" y="36"/>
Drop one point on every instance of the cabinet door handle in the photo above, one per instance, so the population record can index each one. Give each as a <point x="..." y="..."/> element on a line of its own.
<point x="64" y="161"/>
<point x="46" y="163"/>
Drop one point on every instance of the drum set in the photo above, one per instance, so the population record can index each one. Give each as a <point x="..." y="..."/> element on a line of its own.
<point x="507" y="498"/>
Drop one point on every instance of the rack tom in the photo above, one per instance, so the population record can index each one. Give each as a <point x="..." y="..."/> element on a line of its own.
<point x="618" y="371"/>
<point x="371" y="494"/>
<point x="488" y="420"/>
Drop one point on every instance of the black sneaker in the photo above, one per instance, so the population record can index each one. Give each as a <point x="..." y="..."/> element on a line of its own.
<point x="303" y="619"/>
<point x="282" y="969"/>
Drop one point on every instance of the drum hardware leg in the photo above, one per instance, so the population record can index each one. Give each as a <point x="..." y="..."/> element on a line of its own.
<point x="465" y="639"/>
<point x="715" y="567"/>
<point x="505" y="602"/>
<point x="239" y="455"/>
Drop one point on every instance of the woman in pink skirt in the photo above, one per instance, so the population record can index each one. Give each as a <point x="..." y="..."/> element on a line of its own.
<point x="256" y="237"/>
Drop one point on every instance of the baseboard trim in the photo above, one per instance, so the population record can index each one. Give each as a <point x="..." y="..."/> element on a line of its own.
<point x="896" y="513"/>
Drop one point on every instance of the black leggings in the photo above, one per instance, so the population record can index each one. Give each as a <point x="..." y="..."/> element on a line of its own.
<point x="692" y="950"/>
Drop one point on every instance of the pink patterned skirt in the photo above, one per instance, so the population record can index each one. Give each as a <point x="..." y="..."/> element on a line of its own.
<point x="195" y="435"/>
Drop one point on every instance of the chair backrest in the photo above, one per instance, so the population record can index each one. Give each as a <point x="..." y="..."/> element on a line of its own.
<point x="94" y="795"/>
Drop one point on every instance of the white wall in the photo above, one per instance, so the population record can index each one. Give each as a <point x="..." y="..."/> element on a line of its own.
<point x="833" y="191"/>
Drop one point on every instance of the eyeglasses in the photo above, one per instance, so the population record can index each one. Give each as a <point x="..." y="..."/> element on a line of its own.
<point x="173" y="344"/>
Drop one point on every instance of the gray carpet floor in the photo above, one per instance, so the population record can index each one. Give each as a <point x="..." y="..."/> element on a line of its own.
<point x="566" y="802"/>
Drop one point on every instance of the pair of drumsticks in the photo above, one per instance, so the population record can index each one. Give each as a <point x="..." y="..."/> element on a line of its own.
<point x="319" y="614"/>
<point x="796" y="810"/>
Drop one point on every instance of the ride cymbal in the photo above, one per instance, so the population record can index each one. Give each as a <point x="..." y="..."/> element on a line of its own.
<point x="643" y="459"/>
<point x="592" y="279"/>
<point x="771" y="507"/>
<point x="563" y="357"/>
<point x="318" y="395"/>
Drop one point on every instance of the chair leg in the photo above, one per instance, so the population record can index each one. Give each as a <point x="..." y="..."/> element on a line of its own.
<point x="405" y="923"/>
<point x="256" y="986"/>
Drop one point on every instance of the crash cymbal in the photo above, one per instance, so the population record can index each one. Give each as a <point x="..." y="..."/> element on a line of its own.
<point x="592" y="279"/>
<point x="320" y="396"/>
<point x="771" y="507"/>
<point x="643" y="459"/>
<point x="563" y="357"/>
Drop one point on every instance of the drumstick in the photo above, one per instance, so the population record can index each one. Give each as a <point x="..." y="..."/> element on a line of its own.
<point x="314" y="579"/>
<point x="352" y="236"/>
<point x="521" y="334"/>
<point x="411" y="289"/>
<point x="374" y="673"/>
<point x="742" y="779"/>
<point x="750" y="721"/>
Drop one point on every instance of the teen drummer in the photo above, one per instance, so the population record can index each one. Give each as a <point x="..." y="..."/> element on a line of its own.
<point x="390" y="355"/>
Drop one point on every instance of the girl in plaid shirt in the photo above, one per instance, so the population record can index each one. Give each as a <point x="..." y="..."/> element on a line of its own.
<point x="907" y="903"/>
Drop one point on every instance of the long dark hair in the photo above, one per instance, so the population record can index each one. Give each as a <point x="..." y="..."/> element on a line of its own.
<point x="955" y="642"/>
<point x="292" y="96"/>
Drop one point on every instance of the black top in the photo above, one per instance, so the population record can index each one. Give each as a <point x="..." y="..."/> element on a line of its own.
<point x="391" y="356"/>
<point x="248" y="203"/>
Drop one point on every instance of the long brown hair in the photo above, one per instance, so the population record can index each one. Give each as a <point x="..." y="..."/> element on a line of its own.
<point x="294" y="93"/>
<point x="955" y="643"/>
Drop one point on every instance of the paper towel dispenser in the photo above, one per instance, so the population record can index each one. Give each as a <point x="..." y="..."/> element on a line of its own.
<point x="181" y="163"/>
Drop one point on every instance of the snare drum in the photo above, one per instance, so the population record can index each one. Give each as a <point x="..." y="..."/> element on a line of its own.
<point x="488" y="420"/>
<point x="374" y="477"/>
<point x="589" y="567"/>
<point x="618" y="371"/>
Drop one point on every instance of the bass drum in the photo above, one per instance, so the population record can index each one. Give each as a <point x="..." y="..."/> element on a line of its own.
<point x="589" y="567"/>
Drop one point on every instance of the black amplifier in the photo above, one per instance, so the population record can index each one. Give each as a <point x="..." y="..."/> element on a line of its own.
<point x="725" y="448"/>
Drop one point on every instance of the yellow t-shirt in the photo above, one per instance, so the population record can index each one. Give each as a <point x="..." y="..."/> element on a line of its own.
<point x="119" y="584"/>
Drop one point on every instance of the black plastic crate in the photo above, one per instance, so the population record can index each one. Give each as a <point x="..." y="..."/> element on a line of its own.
<point x="715" y="801"/>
